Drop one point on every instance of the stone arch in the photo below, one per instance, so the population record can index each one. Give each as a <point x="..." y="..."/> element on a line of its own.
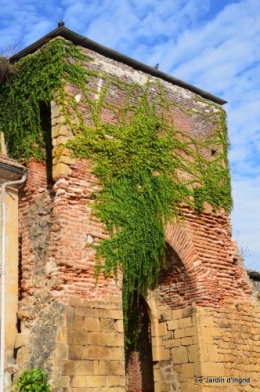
<point x="168" y="305"/>
<point x="178" y="289"/>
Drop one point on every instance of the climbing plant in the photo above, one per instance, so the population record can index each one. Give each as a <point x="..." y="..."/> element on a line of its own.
<point x="146" y="168"/>
<point x="35" y="81"/>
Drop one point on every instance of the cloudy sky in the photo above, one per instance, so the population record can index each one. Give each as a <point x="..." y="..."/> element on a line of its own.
<point x="212" y="44"/>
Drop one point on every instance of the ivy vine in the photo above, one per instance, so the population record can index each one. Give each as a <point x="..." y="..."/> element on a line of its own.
<point x="146" y="168"/>
<point x="36" y="79"/>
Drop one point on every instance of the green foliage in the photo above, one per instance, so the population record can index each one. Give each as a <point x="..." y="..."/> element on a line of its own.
<point x="36" y="80"/>
<point x="33" y="380"/>
<point x="145" y="167"/>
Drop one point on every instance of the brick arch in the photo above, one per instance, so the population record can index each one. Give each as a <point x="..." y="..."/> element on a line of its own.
<point x="181" y="282"/>
<point x="177" y="236"/>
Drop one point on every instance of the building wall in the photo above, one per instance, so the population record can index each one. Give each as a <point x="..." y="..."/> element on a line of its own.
<point x="71" y="324"/>
<point x="11" y="249"/>
<point x="10" y="171"/>
<point x="62" y="310"/>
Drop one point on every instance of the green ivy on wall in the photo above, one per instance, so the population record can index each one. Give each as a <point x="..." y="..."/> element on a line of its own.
<point x="145" y="167"/>
<point x="36" y="79"/>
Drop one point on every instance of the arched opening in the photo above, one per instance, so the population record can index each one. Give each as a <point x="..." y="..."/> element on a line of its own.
<point x="45" y="115"/>
<point x="175" y="287"/>
<point x="139" y="363"/>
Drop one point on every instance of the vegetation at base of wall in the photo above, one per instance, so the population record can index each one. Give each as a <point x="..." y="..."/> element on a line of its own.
<point x="146" y="168"/>
<point x="33" y="380"/>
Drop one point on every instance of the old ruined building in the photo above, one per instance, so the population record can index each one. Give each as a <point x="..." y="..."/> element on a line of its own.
<point x="75" y="118"/>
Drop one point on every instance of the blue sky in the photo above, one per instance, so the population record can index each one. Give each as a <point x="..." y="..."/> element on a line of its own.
<point x="212" y="44"/>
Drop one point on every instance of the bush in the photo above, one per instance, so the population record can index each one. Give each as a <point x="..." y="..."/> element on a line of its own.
<point x="33" y="380"/>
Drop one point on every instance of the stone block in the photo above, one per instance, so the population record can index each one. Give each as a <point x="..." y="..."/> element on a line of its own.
<point x="60" y="170"/>
<point x="89" y="313"/>
<point x="78" y="337"/>
<point x="115" y="381"/>
<point x="22" y="339"/>
<point x="186" y="341"/>
<point x="106" y="339"/>
<point x="187" y="371"/>
<point x="161" y="329"/>
<point x="115" y="299"/>
<point x="205" y="321"/>
<point x="176" y="314"/>
<point x="190" y="331"/>
<point x="179" y="333"/>
<point x="84" y="368"/>
<point x="69" y="367"/>
<point x="113" y="368"/>
<point x="197" y="369"/>
<point x="58" y="120"/>
<point x="204" y="352"/>
<point x="60" y="129"/>
<point x="120" y="326"/>
<point x="78" y="323"/>
<point x="188" y="312"/>
<point x="176" y="342"/>
<point x="115" y="314"/>
<point x="64" y="159"/>
<point x="61" y="351"/>
<point x="55" y="111"/>
<point x="160" y="353"/>
<point x="179" y="355"/>
<point x="165" y="387"/>
<point x="77" y="352"/>
<point x="115" y="339"/>
<point x="102" y="304"/>
<point x="172" y="325"/>
<point x="92" y="324"/>
<point x="209" y="331"/>
<point x="214" y="356"/>
<point x="88" y="381"/>
<point x="108" y="325"/>
<point x="63" y="382"/>
<point x="96" y="352"/>
<point x="75" y="301"/>
<point x="157" y="387"/>
<point x="99" y="313"/>
<point x="169" y="343"/>
<point x="185" y="322"/>
<point x="211" y="369"/>
<point x="193" y="353"/>
<point x="62" y="335"/>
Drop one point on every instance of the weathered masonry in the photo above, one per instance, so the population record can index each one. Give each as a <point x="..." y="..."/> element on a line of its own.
<point x="124" y="227"/>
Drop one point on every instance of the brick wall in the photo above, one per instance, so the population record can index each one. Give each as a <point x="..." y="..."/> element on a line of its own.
<point x="70" y="324"/>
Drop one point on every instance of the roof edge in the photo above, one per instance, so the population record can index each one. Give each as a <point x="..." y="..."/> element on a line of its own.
<point x="78" y="39"/>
